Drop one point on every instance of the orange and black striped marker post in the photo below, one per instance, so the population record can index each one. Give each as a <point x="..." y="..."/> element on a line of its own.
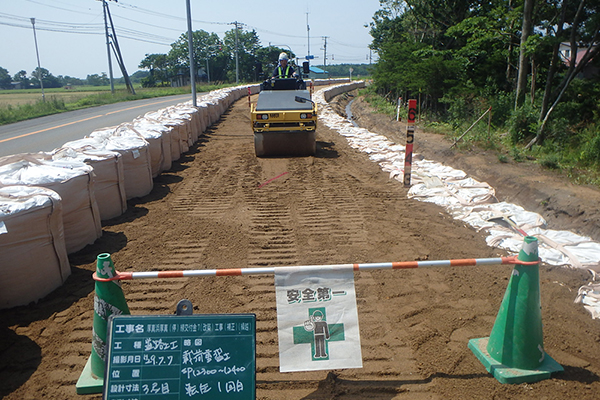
<point x="410" y="139"/>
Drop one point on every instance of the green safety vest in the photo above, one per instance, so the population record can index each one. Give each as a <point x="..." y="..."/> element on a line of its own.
<point x="287" y="72"/>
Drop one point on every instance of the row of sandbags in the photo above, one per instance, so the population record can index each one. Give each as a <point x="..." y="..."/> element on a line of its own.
<point x="52" y="204"/>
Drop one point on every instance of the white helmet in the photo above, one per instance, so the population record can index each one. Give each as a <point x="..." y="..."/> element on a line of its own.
<point x="283" y="56"/>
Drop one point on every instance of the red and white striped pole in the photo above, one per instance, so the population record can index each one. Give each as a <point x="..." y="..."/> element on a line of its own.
<point x="410" y="139"/>
<point x="313" y="268"/>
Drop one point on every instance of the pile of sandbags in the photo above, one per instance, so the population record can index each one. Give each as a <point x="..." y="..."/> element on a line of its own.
<point x="153" y="131"/>
<point x="179" y="131"/>
<point x="72" y="180"/>
<point x="33" y="255"/>
<point x="137" y="165"/>
<point x="108" y="168"/>
<point x="51" y="204"/>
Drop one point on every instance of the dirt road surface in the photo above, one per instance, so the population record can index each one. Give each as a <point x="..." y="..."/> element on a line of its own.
<point x="219" y="207"/>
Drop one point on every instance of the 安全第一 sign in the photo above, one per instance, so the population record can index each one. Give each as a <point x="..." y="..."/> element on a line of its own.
<point x="317" y="319"/>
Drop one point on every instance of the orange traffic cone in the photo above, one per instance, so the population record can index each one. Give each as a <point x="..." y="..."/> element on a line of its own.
<point x="514" y="352"/>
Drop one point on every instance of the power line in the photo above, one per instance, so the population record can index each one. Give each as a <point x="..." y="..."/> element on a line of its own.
<point x="139" y="39"/>
<point x="85" y="29"/>
<point x="50" y="29"/>
<point x="348" y="45"/>
<point x="59" y="8"/>
<point x="163" y="15"/>
<point x="145" y="24"/>
<point x="128" y="33"/>
<point x="64" y="24"/>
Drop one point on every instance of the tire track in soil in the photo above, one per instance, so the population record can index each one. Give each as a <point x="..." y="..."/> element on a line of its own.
<point x="313" y="215"/>
<point x="334" y="208"/>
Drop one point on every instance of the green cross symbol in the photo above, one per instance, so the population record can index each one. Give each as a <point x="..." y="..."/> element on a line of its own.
<point x="318" y="333"/>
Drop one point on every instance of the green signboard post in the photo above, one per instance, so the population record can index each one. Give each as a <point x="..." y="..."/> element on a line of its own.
<point x="171" y="357"/>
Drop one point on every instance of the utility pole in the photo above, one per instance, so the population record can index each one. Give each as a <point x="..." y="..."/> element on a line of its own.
<point x="191" y="54"/>
<point x="237" y="63"/>
<point x="110" y="70"/>
<point x="117" y="50"/>
<point x="325" y="50"/>
<point x="308" y="35"/>
<point x="38" y="60"/>
<point x="207" y="72"/>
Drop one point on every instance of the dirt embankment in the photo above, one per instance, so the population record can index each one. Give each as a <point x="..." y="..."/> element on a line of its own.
<point x="564" y="205"/>
<point x="214" y="210"/>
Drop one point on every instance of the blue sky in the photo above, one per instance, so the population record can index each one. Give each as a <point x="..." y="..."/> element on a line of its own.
<point x="70" y="33"/>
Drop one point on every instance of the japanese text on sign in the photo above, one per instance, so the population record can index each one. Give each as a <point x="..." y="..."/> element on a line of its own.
<point x="181" y="357"/>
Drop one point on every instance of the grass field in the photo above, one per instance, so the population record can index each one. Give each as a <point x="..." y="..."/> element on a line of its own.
<point x="20" y="105"/>
<point x="32" y="96"/>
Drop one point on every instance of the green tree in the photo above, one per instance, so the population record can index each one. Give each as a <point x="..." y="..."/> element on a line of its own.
<point x="343" y="70"/>
<point x="160" y="68"/>
<point x="49" y="80"/>
<point x="415" y="54"/>
<point x="247" y="45"/>
<point x="97" y="80"/>
<point x="486" y="47"/>
<point x="469" y="54"/>
<point x="21" y="77"/>
<point x="267" y="59"/>
<point x="5" y="80"/>
<point x="70" y="81"/>
<point x="207" y="46"/>
<point x="579" y="24"/>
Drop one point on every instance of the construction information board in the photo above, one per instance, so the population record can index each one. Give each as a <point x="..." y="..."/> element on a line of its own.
<point x="181" y="357"/>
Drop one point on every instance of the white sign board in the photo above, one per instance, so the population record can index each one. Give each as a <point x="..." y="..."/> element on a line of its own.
<point x="317" y="319"/>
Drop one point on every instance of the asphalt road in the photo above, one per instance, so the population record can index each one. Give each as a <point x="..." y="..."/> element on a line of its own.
<point x="48" y="133"/>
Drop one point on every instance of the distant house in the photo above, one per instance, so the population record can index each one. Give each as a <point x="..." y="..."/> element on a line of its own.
<point x="565" y="54"/>
<point x="180" y="80"/>
<point x="16" y="85"/>
<point x="183" y="79"/>
<point x="317" y="73"/>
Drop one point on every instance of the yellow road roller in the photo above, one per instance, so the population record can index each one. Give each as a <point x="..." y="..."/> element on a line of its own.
<point x="284" y="119"/>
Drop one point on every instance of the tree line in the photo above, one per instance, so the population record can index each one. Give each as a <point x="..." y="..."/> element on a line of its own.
<point x="22" y="80"/>
<point x="214" y="58"/>
<point x="237" y="55"/>
<point x="534" y="61"/>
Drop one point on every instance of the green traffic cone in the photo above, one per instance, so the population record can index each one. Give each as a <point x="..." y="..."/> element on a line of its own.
<point x="108" y="300"/>
<point x="514" y="352"/>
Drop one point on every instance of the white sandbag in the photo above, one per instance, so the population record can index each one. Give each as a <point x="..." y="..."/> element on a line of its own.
<point x="178" y="133"/>
<point x="137" y="167"/>
<point x="33" y="255"/>
<point x="148" y="127"/>
<point x="191" y="112"/>
<point x="73" y="181"/>
<point x="185" y="126"/>
<point x="213" y="112"/>
<point x="108" y="168"/>
<point x="202" y="117"/>
<point x="155" y="144"/>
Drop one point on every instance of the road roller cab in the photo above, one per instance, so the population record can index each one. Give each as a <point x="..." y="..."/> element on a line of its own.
<point x="284" y="119"/>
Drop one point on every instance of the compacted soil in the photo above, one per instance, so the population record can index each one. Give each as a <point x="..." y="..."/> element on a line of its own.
<point x="221" y="207"/>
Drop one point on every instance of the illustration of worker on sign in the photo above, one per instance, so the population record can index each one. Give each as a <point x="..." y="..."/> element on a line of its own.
<point x="320" y="330"/>
<point x="317" y="319"/>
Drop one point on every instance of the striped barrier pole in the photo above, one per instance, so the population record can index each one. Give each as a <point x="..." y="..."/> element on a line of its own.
<point x="410" y="139"/>
<point x="315" y="268"/>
